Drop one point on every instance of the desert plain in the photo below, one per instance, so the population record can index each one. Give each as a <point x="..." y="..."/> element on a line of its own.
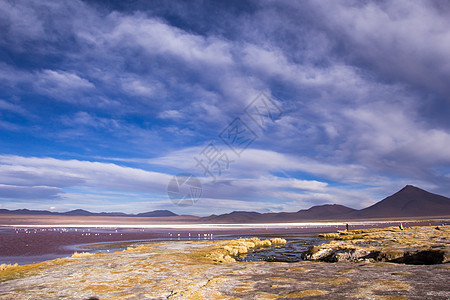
<point x="368" y="263"/>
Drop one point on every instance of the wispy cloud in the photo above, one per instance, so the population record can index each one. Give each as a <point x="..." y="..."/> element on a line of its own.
<point x="12" y="107"/>
<point x="121" y="97"/>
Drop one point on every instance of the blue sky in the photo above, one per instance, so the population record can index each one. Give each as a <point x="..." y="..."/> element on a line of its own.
<point x="102" y="103"/>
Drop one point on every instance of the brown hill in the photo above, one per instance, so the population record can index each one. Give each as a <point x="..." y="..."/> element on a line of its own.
<point x="85" y="213"/>
<point x="324" y="212"/>
<point x="408" y="202"/>
<point x="234" y="217"/>
<point x="320" y="212"/>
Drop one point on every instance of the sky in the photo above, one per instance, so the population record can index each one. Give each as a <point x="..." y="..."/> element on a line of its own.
<point x="269" y="105"/>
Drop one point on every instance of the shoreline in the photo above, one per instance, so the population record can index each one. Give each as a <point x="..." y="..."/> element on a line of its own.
<point x="205" y="270"/>
<point x="30" y="220"/>
<point x="28" y="244"/>
<point x="227" y="225"/>
<point x="409" y="245"/>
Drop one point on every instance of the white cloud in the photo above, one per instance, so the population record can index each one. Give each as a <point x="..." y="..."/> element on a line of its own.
<point x="83" y="118"/>
<point x="138" y="86"/>
<point x="22" y="22"/>
<point x="340" y="69"/>
<point x="57" y="84"/>
<point x="62" y="79"/>
<point x="207" y="206"/>
<point x="404" y="40"/>
<point x="28" y="192"/>
<point x="49" y="178"/>
<point x="33" y="171"/>
<point x="10" y="126"/>
<point x="156" y="37"/>
<point x="13" y="107"/>
<point x="255" y="162"/>
<point x="383" y="132"/>
<point x="170" y="114"/>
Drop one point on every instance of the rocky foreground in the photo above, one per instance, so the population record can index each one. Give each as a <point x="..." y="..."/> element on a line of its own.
<point x="413" y="245"/>
<point x="208" y="270"/>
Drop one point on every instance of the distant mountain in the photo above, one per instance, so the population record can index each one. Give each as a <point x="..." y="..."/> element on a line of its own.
<point x="157" y="213"/>
<point x="113" y="214"/>
<point x="26" y="212"/>
<point x="82" y="212"/>
<point x="410" y="201"/>
<point x="326" y="211"/>
<point x="320" y="212"/>
<point x="234" y="217"/>
<point x="78" y="212"/>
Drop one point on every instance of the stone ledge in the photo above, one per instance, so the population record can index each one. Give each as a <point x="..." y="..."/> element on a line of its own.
<point x="415" y="245"/>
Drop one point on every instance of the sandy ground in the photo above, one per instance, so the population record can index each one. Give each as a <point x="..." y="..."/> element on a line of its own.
<point x="185" y="270"/>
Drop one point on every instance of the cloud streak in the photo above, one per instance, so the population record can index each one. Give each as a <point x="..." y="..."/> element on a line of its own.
<point x="119" y="98"/>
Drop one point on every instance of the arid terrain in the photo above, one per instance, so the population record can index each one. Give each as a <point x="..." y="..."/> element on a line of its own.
<point x="48" y="237"/>
<point x="208" y="270"/>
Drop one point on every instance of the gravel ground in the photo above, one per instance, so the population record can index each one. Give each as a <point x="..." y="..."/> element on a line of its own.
<point x="181" y="270"/>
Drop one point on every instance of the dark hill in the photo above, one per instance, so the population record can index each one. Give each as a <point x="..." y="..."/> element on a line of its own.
<point x="78" y="212"/>
<point x="82" y="212"/>
<point x="410" y="201"/>
<point x="157" y="213"/>
<point x="235" y="217"/>
<point x="324" y="212"/>
<point x="320" y="212"/>
<point x="25" y="211"/>
<point x="112" y="214"/>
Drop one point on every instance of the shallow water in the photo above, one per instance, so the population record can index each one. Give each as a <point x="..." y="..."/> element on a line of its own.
<point x="32" y="244"/>
<point x="291" y="252"/>
<point x="25" y="247"/>
<point x="296" y="244"/>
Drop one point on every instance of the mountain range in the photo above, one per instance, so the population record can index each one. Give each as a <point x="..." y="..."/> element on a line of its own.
<point x="410" y="201"/>
<point x="82" y="212"/>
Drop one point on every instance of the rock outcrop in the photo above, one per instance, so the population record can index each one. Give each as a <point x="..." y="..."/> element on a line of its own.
<point x="415" y="245"/>
<point x="227" y="251"/>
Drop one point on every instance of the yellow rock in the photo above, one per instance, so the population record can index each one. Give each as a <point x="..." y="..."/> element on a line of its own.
<point x="305" y="293"/>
